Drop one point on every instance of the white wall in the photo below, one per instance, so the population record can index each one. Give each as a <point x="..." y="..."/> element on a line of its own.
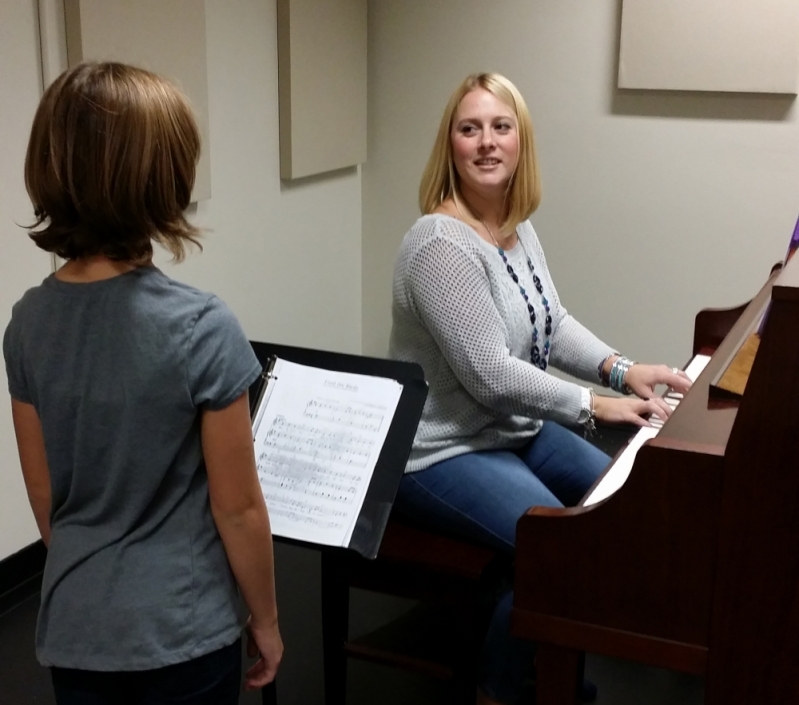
<point x="21" y="263"/>
<point x="287" y="259"/>
<point x="654" y="204"/>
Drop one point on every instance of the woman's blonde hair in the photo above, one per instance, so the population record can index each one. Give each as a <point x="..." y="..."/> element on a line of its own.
<point x="440" y="179"/>
<point x="111" y="164"/>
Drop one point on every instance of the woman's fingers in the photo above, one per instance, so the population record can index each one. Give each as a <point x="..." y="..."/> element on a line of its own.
<point x="630" y="410"/>
<point x="643" y="379"/>
<point x="678" y="380"/>
<point x="660" y="408"/>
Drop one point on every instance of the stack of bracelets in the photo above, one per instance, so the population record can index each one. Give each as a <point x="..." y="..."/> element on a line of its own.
<point x="617" y="372"/>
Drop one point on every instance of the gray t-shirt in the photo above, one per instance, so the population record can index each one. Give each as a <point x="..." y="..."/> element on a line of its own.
<point x="459" y="314"/>
<point x="118" y="371"/>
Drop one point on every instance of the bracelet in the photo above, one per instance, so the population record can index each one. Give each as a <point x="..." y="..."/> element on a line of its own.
<point x="601" y="367"/>
<point x="617" y="373"/>
<point x="589" y="425"/>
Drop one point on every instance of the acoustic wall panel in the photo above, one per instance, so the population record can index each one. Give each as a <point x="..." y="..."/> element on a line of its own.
<point x="164" y="36"/>
<point x="710" y="45"/>
<point x="322" y="85"/>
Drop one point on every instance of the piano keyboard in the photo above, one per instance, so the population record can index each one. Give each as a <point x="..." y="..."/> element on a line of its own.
<point x="616" y="476"/>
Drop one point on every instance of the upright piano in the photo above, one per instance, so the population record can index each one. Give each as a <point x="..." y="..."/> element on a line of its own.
<point x="692" y="563"/>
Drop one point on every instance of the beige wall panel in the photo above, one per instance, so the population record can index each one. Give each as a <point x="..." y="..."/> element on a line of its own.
<point x="53" y="39"/>
<point x="710" y="45"/>
<point x="164" y="36"/>
<point x="322" y="70"/>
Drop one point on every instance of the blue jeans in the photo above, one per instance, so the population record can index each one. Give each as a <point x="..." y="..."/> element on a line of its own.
<point x="481" y="496"/>
<point x="212" y="679"/>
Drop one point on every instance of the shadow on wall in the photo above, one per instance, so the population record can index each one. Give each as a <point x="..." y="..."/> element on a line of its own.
<point x="708" y="105"/>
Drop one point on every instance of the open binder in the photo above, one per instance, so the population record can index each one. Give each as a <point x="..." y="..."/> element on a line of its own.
<point x="268" y="402"/>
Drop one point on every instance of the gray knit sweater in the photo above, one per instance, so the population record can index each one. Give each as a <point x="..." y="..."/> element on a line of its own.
<point x="459" y="314"/>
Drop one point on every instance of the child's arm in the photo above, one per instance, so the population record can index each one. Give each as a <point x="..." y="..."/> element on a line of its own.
<point x="239" y="511"/>
<point x="32" y="457"/>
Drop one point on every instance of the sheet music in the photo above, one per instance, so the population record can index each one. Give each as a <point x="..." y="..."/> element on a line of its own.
<point x="318" y="435"/>
<point x="620" y="471"/>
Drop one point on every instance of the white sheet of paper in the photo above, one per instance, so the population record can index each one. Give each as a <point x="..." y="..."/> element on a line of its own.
<point x="617" y="475"/>
<point x="318" y="435"/>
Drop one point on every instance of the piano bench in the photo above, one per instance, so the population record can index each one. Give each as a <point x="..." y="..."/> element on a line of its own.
<point x="456" y="582"/>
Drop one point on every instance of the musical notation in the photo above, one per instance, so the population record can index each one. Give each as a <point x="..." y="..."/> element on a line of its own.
<point x="307" y="513"/>
<point x="289" y="465"/>
<point x="308" y="508"/>
<point x="303" y="518"/>
<point x="318" y="435"/>
<point x="344" y="415"/>
<point x="321" y="489"/>
<point x="322" y="445"/>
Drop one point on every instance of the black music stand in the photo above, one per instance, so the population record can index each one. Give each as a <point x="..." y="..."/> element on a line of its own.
<point x="382" y="490"/>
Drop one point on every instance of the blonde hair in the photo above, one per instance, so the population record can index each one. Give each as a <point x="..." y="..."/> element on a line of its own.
<point x="111" y="164"/>
<point x="440" y="179"/>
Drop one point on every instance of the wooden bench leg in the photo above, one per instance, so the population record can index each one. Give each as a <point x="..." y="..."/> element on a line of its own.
<point x="557" y="672"/>
<point x="335" y="625"/>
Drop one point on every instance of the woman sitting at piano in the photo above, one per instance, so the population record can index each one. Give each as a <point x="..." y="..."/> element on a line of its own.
<point x="475" y="305"/>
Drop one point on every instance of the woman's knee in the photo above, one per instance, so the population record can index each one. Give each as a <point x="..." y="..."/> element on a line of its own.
<point x="479" y="495"/>
<point x="565" y="462"/>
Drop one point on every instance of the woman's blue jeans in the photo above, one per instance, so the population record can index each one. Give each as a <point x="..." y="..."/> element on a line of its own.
<point x="481" y="496"/>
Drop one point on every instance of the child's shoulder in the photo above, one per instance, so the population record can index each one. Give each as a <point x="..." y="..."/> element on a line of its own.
<point x="197" y="306"/>
<point x="169" y="289"/>
<point x="152" y="288"/>
<point x="32" y="300"/>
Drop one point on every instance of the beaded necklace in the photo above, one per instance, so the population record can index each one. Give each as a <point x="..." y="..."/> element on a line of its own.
<point x="536" y="357"/>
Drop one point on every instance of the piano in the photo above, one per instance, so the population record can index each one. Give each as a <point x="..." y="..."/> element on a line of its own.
<point x="692" y="562"/>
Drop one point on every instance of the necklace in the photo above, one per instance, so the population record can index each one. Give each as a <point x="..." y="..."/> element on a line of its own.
<point x="538" y="358"/>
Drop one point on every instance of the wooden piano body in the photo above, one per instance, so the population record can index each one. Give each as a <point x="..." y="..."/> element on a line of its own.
<point x="693" y="564"/>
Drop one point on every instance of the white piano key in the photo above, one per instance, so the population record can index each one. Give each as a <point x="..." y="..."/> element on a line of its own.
<point x="695" y="367"/>
<point x="617" y="474"/>
<point x="620" y="470"/>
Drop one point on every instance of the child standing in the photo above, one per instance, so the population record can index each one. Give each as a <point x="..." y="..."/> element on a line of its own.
<point x="129" y="401"/>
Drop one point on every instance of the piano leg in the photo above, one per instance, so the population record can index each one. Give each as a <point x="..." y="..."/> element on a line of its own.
<point x="557" y="672"/>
